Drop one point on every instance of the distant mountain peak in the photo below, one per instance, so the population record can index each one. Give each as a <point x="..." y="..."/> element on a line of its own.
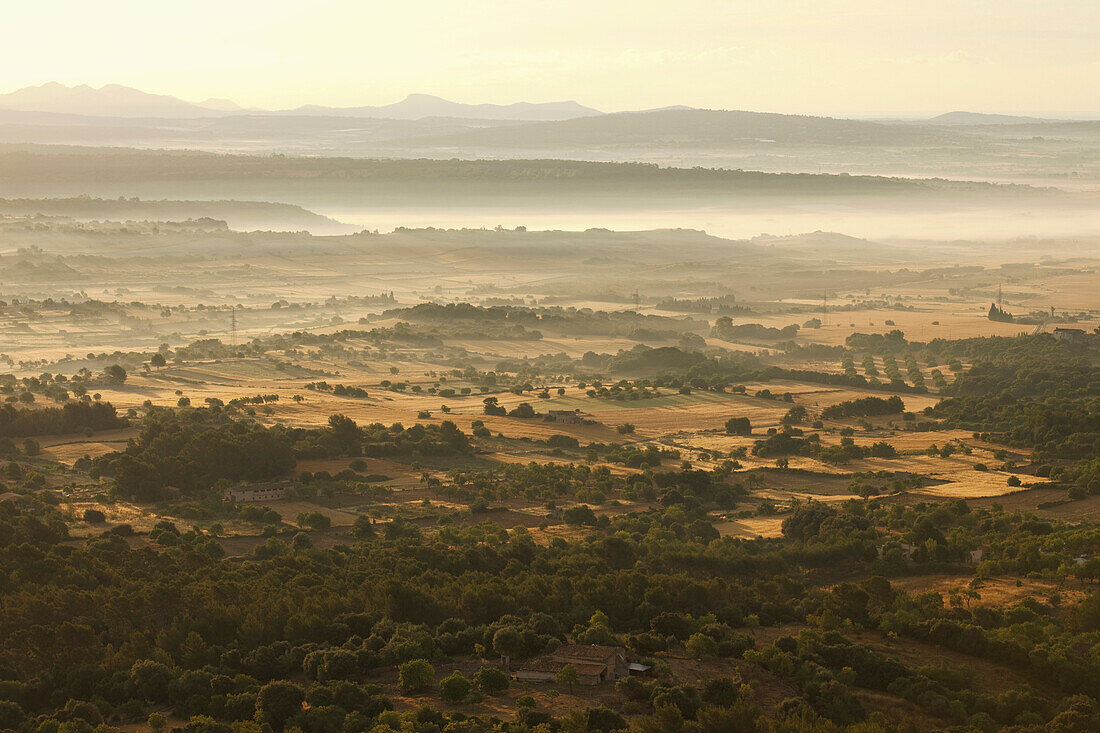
<point x="116" y="100"/>
<point x="221" y="105"/>
<point x="109" y="100"/>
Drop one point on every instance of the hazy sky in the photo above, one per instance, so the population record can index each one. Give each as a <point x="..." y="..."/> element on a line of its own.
<point x="837" y="57"/>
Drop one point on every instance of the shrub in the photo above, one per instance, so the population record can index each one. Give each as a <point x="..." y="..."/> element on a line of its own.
<point x="415" y="675"/>
<point x="562" y="441"/>
<point x="454" y="688"/>
<point x="314" y="520"/>
<point x="701" y="645"/>
<point x="523" y="409"/>
<point x="491" y="680"/>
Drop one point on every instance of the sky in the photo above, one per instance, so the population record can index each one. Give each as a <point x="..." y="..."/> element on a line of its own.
<point x="854" y="58"/>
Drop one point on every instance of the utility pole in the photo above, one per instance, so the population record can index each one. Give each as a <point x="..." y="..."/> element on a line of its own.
<point x="233" y="327"/>
<point x="636" y="299"/>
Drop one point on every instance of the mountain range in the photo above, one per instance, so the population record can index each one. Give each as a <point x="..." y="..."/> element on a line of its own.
<point x="117" y="101"/>
<point x="114" y="100"/>
<point x="965" y="145"/>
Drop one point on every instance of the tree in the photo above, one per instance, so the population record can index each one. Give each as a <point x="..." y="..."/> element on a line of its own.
<point x="738" y="426"/>
<point x="492" y="408"/>
<point x="115" y="374"/>
<point x="604" y="720"/>
<point x="415" y="675"/>
<point x="157" y="722"/>
<point x="94" y="516"/>
<point x="507" y="642"/>
<point x="625" y="429"/>
<point x="313" y="520"/>
<point x="795" y="416"/>
<point x="277" y="702"/>
<point x="346" y="433"/>
<point x="454" y="688"/>
<point x="568" y="675"/>
<point x="363" y="528"/>
<point x="701" y="645"/>
<point x="157" y="360"/>
<point x="491" y="680"/>
<point x="151" y="680"/>
<point x="523" y="409"/>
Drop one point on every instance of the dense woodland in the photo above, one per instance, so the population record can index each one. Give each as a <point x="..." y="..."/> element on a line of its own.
<point x="102" y="632"/>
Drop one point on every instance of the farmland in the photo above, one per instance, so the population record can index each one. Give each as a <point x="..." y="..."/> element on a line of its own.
<point x="780" y="432"/>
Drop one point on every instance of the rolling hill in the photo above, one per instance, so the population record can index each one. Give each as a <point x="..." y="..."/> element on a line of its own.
<point x="690" y="127"/>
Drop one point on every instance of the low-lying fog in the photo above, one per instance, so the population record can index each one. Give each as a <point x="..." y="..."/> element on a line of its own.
<point x="739" y="223"/>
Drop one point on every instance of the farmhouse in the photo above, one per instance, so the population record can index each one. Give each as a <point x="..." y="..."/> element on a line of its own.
<point x="594" y="664"/>
<point x="1073" y="335"/>
<point x="246" y="492"/>
<point x="565" y="416"/>
<point x="1077" y="336"/>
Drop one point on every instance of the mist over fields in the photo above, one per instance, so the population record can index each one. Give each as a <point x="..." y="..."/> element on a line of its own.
<point x="529" y="417"/>
<point x="555" y="194"/>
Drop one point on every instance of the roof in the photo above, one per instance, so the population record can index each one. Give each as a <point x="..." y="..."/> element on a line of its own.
<point x="590" y="651"/>
<point x="549" y="664"/>
<point x="260" y="485"/>
<point x="593" y="670"/>
<point x="541" y="664"/>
